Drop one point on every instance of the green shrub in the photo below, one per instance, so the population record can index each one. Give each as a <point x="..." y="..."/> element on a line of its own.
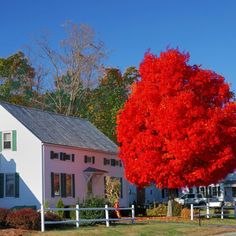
<point x="72" y="213"/>
<point x="160" y="210"/>
<point x="60" y="204"/>
<point x="177" y="208"/>
<point x="91" y="202"/>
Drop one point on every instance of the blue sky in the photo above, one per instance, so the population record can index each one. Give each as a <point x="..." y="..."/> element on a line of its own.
<point x="204" y="28"/>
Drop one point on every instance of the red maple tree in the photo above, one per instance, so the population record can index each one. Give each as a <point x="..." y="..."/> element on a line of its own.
<point x="178" y="127"/>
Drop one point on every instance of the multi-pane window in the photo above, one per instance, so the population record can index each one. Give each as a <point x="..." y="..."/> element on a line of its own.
<point x="62" y="185"/>
<point x="112" y="162"/>
<point x="10" y="185"/>
<point x="68" y="186"/>
<point x="7" y="140"/>
<point x="214" y="191"/>
<point x="62" y="156"/>
<point x="234" y="191"/>
<point x="56" y="184"/>
<point x="89" y="159"/>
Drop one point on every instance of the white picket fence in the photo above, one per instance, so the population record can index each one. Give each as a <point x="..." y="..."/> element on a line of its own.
<point x="207" y="213"/>
<point x="78" y="220"/>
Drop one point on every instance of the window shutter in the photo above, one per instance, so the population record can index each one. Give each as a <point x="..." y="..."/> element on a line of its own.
<point x="51" y="155"/>
<point x="105" y="187"/>
<point x="0" y="141"/>
<point x="14" y="148"/>
<point x="113" y="162"/>
<point x="63" y="185"/>
<point x="1" y="185"/>
<point x="52" y="185"/>
<point x="17" y="185"/>
<point x="85" y="159"/>
<point x="121" y="188"/>
<point x="120" y="163"/>
<point x="93" y="159"/>
<point x="73" y="185"/>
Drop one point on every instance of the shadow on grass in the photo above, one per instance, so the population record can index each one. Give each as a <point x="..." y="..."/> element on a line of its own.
<point x="65" y="227"/>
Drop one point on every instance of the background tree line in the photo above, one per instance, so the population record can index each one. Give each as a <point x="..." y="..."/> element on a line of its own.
<point x="69" y="79"/>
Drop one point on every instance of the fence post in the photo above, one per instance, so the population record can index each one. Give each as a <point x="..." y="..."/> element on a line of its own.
<point x="207" y="211"/>
<point x="133" y="214"/>
<point x="77" y="215"/>
<point x="222" y="212"/>
<point x="191" y="214"/>
<point x="42" y="219"/>
<point x="107" y="215"/>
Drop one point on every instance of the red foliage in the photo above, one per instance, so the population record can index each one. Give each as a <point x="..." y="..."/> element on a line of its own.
<point x="178" y="127"/>
<point x="3" y="216"/>
<point x="24" y="219"/>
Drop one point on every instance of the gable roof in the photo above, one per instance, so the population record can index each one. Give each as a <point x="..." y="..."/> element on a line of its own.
<point x="58" y="129"/>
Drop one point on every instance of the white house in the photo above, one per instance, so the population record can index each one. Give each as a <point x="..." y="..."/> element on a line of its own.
<point x="45" y="156"/>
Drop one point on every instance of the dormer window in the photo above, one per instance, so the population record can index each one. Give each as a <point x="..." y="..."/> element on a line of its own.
<point x="7" y="140"/>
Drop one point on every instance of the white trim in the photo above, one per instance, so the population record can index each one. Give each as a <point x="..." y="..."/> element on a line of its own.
<point x="43" y="176"/>
<point x="80" y="148"/>
<point x="6" y="132"/>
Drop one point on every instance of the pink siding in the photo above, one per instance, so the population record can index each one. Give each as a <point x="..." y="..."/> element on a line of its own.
<point x="77" y="167"/>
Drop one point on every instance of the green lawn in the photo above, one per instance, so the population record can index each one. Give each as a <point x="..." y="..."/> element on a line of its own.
<point x="148" y="228"/>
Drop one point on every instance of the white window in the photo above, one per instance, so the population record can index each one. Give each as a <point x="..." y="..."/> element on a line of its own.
<point x="56" y="184"/>
<point x="7" y="140"/>
<point x="10" y="185"/>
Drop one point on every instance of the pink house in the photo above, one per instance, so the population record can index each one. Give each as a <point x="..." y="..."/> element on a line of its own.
<point x="45" y="156"/>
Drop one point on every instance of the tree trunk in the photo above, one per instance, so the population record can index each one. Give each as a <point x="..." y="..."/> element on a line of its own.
<point x="170" y="208"/>
<point x="170" y="202"/>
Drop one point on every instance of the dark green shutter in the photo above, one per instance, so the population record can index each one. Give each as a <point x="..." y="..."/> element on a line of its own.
<point x="121" y="188"/>
<point x="105" y="186"/>
<point x="51" y="155"/>
<point x="0" y="141"/>
<point x="73" y="185"/>
<point x="63" y="185"/>
<point x="1" y="185"/>
<point x="52" y="185"/>
<point x="14" y="140"/>
<point x="17" y="185"/>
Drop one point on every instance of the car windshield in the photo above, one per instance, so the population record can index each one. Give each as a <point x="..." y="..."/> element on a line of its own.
<point x="184" y="196"/>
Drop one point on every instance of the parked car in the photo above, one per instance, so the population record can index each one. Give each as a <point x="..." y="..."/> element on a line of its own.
<point x="198" y="199"/>
<point x="192" y="198"/>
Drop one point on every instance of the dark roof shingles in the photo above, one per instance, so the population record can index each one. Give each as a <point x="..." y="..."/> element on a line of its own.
<point x="59" y="129"/>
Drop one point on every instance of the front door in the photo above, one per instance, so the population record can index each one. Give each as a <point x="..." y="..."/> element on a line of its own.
<point x="141" y="196"/>
<point x="90" y="186"/>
